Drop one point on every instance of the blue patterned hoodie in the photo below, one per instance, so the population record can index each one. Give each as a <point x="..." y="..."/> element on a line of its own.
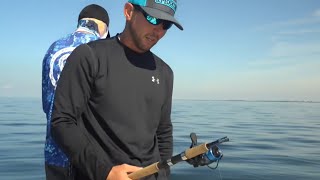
<point x="52" y="65"/>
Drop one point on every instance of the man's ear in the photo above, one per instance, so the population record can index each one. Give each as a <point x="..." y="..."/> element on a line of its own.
<point x="128" y="11"/>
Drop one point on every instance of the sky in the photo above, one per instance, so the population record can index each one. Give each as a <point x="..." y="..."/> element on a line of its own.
<point x="229" y="49"/>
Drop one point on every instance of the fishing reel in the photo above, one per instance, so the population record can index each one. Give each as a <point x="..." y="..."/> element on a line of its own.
<point x="214" y="154"/>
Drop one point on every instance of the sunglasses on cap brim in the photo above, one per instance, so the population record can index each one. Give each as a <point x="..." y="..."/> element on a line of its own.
<point x="152" y="20"/>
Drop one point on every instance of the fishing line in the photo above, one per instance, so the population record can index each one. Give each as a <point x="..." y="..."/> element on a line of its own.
<point x="220" y="173"/>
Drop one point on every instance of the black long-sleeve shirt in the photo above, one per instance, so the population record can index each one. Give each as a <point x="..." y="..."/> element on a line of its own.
<point x="113" y="106"/>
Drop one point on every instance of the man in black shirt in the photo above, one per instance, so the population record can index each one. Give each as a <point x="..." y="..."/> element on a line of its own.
<point x="112" y="105"/>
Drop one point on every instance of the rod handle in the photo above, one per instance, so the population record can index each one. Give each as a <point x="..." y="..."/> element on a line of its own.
<point x="153" y="168"/>
<point x="195" y="151"/>
<point x="146" y="171"/>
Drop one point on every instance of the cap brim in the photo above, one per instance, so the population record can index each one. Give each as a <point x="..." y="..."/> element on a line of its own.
<point x="161" y="15"/>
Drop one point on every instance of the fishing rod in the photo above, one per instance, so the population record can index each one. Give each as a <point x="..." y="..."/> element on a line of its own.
<point x="196" y="155"/>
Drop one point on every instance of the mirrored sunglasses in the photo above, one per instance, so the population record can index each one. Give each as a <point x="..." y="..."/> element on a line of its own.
<point x="152" y="20"/>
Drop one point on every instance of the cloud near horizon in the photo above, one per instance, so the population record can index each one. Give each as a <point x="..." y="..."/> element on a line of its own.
<point x="317" y="13"/>
<point x="312" y="19"/>
<point x="7" y="86"/>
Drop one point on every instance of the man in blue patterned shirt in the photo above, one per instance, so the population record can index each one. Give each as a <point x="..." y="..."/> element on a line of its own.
<point x="93" y="23"/>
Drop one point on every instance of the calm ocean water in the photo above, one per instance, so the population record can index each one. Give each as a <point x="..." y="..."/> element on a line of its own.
<point x="268" y="140"/>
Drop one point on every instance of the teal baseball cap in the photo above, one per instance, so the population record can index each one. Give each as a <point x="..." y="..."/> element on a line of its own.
<point x="161" y="9"/>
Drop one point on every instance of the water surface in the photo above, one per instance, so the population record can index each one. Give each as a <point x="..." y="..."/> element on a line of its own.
<point x="268" y="140"/>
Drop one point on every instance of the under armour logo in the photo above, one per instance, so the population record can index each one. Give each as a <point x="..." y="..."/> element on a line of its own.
<point x="155" y="80"/>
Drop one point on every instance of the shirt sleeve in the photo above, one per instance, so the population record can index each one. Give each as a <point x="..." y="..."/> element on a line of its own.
<point x="71" y="100"/>
<point x="45" y="79"/>
<point x="164" y="131"/>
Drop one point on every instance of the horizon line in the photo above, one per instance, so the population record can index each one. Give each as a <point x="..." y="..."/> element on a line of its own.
<point x="186" y="99"/>
<point x="244" y="100"/>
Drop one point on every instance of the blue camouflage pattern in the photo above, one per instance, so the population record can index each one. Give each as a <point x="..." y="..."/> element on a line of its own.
<point x="53" y="63"/>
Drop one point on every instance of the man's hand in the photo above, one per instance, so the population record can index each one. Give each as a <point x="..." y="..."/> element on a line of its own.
<point x="121" y="172"/>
